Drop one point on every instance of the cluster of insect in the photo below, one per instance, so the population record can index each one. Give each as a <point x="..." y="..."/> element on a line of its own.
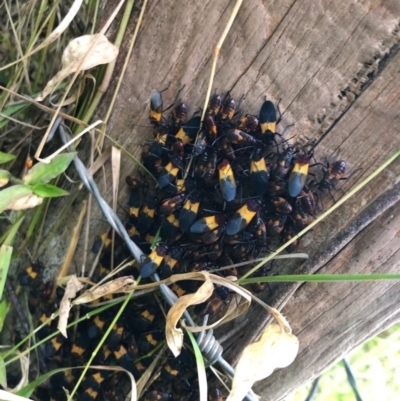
<point x="224" y="191"/>
<point x="131" y="345"/>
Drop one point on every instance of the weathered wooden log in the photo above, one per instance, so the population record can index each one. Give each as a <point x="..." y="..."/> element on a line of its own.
<point x="335" y="66"/>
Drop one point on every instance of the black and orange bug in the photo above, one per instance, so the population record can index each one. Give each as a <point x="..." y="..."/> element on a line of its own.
<point x="212" y="236"/>
<point x="147" y="214"/>
<point x="332" y="175"/>
<point x="45" y="319"/>
<point x="169" y="227"/>
<point x="208" y="223"/>
<point x="287" y="234"/>
<point x="156" y="105"/>
<point x="102" y="355"/>
<point x="260" y="231"/>
<point x="177" y="148"/>
<point x="243" y="236"/>
<point x="168" y="174"/>
<point x="227" y="181"/>
<point x="132" y="347"/>
<point x="211" y="128"/>
<point x="80" y="346"/>
<point x="298" y="175"/>
<point x="179" y="114"/>
<point x="144" y="321"/>
<point x="29" y="162"/>
<point x="124" y="359"/>
<point x="276" y="187"/>
<point x="170" y="205"/>
<point x="189" y="211"/>
<point x="300" y="219"/>
<point x="153" y="261"/>
<point x="53" y="345"/>
<point x="156" y="147"/>
<point x="209" y="307"/>
<point x="226" y="148"/>
<point x="214" y="251"/>
<point x="259" y="173"/>
<point x="307" y="201"/>
<point x="104" y="240"/>
<point x="134" y="203"/>
<point x="275" y="225"/>
<point x="116" y="334"/>
<point x="178" y="290"/>
<point x="281" y="205"/>
<point x="95" y="379"/>
<point x="151" y="234"/>
<point x="215" y="395"/>
<point x="228" y="109"/>
<point x="170" y="263"/>
<point x="62" y="379"/>
<point x="31" y="273"/>
<point x="282" y="166"/>
<point x="268" y="121"/>
<point x="188" y="131"/>
<point x="241" y="250"/>
<point x="91" y="385"/>
<point x="241" y="219"/>
<point x="90" y="394"/>
<point x="156" y="395"/>
<point x="148" y="341"/>
<point x="201" y="144"/>
<point x="248" y="123"/>
<point x="214" y="105"/>
<point x="260" y="286"/>
<point x="227" y="261"/>
<point x="142" y="365"/>
<point x="104" y="267"/>
<point x="96" y="325"/>
<point x="238" y="137"/>
<point x="134" y="182"/>
<point x="206" y="165"/>
<point x="170" y="370"/>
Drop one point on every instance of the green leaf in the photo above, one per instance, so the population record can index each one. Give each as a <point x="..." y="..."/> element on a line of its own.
<point x="48" y="191"/>
<point x="4" y="308"/>
<point x="28" y="389"/>
<point x="5" y="157"/>
<point x="42" y="173"/>
<point x="11" y="194"/>
<point x="9" y="112"/>
<point x="4" y="177"/>
<point x="5" y="259"/>
<point x="3" y="374"/>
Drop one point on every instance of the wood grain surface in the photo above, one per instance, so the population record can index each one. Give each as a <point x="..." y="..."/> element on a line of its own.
<point x="336" y="68"/>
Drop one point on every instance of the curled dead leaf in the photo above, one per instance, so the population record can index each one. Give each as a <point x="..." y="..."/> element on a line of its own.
<point x="26" y="202"/>
<point x="82" y="53"/>
<point x="73" y="286"/>
<point x="174" y="335"/>
<point x="120" y="284"/>
<point x="239" y="303"/>
<point x="275" y="349"/>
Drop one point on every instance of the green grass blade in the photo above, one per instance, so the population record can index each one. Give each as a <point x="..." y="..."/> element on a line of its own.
<point x="5" y="259"/>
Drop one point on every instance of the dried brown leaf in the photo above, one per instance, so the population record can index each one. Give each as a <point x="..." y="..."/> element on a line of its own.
<point x="26" y="202"/>
<point x="82" y="53"/>
<point x="174" y="335"/>
<point x="116" y="168"/>
<point x="73" y="286"/>
<point x="238" y="305"/>
<point x="120" y="284"/>
<point x="275" y="349"/>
